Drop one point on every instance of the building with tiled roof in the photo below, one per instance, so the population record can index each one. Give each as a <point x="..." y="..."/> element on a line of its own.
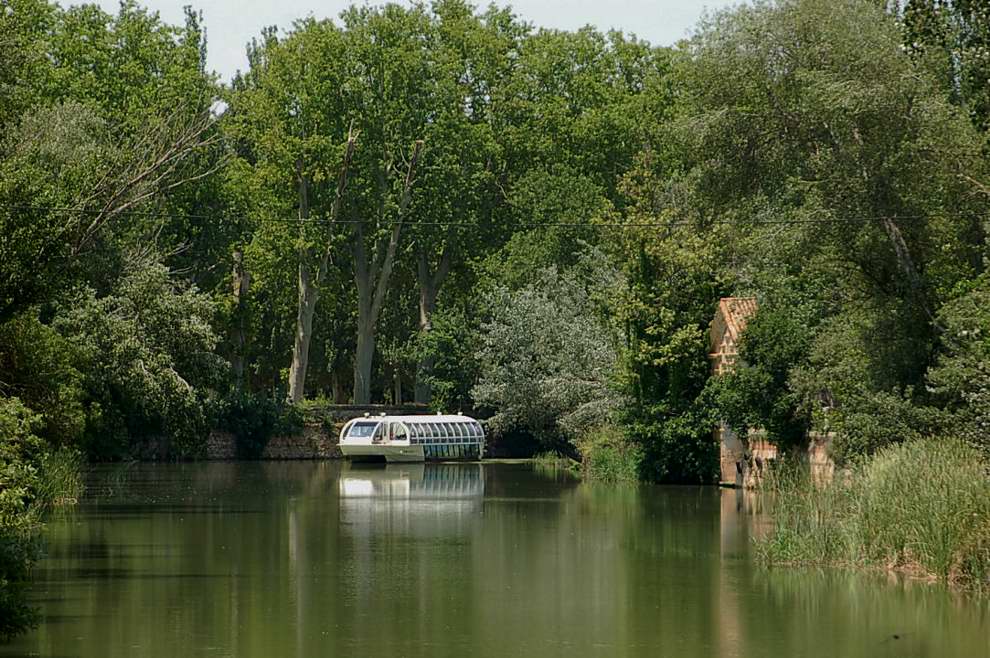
<point x="741" y="459"/>
<point x="727" y="328"/>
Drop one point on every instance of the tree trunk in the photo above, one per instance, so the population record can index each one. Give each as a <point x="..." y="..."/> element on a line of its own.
<point x="339" y="393"/>
<point x="306" y="306"/>
<point x="364" y="358"/>
<point x="309" y="283"/>
<point x="241" y="285"/>
<point x="423" y="391"/>
<point x="397" y="374"/>
<point x="371" y="278"/>
<point x="308" y="296"/>
<point x="429" y="288"/>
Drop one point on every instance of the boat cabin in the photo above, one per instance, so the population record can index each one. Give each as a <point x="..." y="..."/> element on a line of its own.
<point x="413" y="438"/>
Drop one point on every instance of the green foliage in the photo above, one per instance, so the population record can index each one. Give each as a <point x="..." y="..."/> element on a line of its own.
<point x="33" y="480"/>
<point x="922" y="506"/>
<point x="960" y="378"/>
<point x="673" y="279"/>
<point x="875" y="421"/>
<point x="109" y="115"/>
<point x="454" y="344"/>
<point x="52" y="156"/>
<point x="781" y="153"/>
<point x="254" y="419"/>
<point x="547" y="358"/>
<point x="147" y="352"/>
<point x="758" y="392"/>
<point x="20" y="451"/>
<point x="955" y="36"/>
<point x="607" y="455"/>
<point x="39" y="368"/>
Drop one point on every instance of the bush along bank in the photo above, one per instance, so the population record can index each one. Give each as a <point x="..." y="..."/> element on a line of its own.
<point x="34" y="479"/>
<point x="920" y="508"/>
<point x="606" y="455"/>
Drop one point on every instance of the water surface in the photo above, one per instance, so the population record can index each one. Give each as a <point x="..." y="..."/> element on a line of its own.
<point x="324" y="559"/>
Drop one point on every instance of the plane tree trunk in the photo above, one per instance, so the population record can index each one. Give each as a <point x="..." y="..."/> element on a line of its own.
<point x="310" y="278"/>
<point x="371" y="278"/>
<point x="241" y="286"/>
<point x="429" y="289"/>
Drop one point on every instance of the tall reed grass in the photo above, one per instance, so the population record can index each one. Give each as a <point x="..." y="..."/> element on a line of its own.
<point x="61" y="482"/>
<point x="552" y="463"/>
<point x="607" y="455"/>
<point x="922" y="507"/>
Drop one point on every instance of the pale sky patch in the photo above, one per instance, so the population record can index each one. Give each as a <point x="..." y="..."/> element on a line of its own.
<point x="230" y="24"/>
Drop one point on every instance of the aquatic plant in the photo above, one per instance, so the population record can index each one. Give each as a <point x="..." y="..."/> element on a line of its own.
<point x="607" y="455"/>
<point x="922" y="507"/>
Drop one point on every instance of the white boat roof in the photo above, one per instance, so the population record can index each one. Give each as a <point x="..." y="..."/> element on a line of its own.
<point x="420" y="418"/>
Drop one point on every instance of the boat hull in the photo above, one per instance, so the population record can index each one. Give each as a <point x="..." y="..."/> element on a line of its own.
<point x="411" y="453"/>
<point x="391" y="454"/>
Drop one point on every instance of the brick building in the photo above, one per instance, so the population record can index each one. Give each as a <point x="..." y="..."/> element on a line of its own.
<point x="740" y="459"/>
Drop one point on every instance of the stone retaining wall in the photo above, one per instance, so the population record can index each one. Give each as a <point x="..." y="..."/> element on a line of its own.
<point x="743" y="462"/>
<point x="314" y="442"/>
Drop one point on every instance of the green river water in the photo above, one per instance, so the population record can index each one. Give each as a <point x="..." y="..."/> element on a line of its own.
<point x="326" y="559"/>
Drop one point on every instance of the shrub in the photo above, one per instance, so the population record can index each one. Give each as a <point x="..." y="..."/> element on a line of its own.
<point x="872" y="422"/>
<point x="20" y="451"/>
<point x="607" y="455"/>
<point x="254" y="419"/>
<point x="547" y="359"/>
<point x="960" y="378"/>
<point x="60" y="482"/>
<point x="552" y="463"/>
<point x="922" y="507"/>
<point x="147" y="352"/>
<point x="758" y="392"/>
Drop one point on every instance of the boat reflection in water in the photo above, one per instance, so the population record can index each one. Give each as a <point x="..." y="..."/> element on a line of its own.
<point x="415" y="500"/>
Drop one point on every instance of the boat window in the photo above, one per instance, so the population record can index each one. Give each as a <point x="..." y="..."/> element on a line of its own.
<point x="430" y="430"/>
<point x="401" y="434"/>
<point x="361" y="430"/>
<point x="440" y="429"/>
<point x="449" y="429"/>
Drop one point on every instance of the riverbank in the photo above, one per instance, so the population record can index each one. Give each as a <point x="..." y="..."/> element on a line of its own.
<point x="921" y="508"/>
<point x="34" y="480"/>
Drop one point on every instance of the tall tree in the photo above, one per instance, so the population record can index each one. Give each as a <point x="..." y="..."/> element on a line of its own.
<point x="859" y="225"/>
<point x="295" y="153"/>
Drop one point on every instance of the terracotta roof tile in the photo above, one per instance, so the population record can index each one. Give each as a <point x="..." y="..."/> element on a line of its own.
<point x="733" y="314"/>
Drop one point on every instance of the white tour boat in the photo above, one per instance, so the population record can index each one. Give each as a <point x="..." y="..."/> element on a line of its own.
<point x="413" y="438"/>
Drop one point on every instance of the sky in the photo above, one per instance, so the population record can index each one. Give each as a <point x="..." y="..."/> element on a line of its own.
<point x="230" y="24"/>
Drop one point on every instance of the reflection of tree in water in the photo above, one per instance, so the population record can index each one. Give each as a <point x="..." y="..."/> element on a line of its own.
<point x="308" y="559"/>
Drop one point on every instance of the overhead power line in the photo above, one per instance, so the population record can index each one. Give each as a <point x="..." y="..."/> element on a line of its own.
<point x="157" y="214"/>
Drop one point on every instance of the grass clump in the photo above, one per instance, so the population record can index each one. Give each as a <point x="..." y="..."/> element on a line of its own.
<point x="61" y="482"/>
<point x="922" y="507"/>
<point x="552" y="463"/>
<point x="607" y="455"/>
